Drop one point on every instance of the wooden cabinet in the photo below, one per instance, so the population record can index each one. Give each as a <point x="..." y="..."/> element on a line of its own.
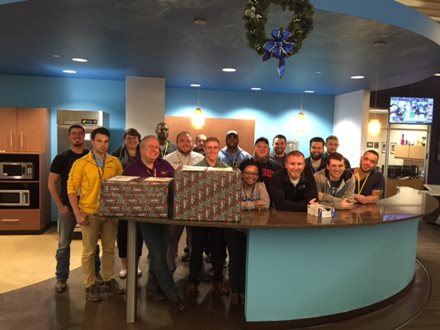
<point x="24" y="129"/>
<point x="36" y="217"/>
<point x="19" y="220"/>
<point x="392" y="184"/>
<point x="409" y="152"/>
<point x="215" y="127"/>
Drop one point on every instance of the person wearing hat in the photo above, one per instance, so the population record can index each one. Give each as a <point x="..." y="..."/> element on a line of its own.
<point x="232" y="154"/>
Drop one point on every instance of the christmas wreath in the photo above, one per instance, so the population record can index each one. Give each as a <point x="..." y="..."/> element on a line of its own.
<point x="285" y="41"/>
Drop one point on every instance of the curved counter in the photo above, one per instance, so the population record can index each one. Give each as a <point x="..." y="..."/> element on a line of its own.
<point x="300" y="266"/>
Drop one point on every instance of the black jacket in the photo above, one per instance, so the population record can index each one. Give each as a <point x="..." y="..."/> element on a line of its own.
<point x="285" y="196"/>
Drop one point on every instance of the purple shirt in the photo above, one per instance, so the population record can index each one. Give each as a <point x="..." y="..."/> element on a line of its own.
<point x="161" y="169"/>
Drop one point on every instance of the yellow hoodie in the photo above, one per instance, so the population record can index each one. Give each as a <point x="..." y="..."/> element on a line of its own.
<point x="85" y="179"/>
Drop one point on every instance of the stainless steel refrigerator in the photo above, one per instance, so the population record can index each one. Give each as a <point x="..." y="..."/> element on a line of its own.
<point x="88" y="119"/>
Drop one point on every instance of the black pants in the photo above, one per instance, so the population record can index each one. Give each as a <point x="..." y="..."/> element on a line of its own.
<point x="237" y="244"/>
<point x="217" y="243"/>
<point x="121" y="238"/>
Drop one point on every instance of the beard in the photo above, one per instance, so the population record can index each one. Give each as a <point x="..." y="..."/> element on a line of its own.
<point x="316" y="157"/>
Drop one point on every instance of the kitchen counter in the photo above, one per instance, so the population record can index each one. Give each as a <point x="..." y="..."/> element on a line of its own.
<point x="309" y="268"/>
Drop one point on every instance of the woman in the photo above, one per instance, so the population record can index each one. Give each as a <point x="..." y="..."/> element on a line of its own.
<point x="128" y="153"/>
<point x="254" y="196"/>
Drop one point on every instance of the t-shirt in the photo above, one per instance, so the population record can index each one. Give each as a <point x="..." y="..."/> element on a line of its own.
<point x="61" y="164"/>
<point x="375" y="181"/>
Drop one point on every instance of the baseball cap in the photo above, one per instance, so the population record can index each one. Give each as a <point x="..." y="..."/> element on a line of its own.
<point x="232" y="132"/>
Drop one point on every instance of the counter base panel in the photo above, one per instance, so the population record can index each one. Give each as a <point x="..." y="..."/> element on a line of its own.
<point x="300" y="274"/>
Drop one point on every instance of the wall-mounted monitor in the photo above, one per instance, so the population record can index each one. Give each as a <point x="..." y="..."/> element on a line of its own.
<point x="411" y="110"/>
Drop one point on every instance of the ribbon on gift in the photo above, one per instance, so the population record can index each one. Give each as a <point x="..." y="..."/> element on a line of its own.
<point x="278" y="48"/>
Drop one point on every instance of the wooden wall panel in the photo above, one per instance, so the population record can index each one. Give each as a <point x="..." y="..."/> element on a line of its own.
<point x="215" y="127"/>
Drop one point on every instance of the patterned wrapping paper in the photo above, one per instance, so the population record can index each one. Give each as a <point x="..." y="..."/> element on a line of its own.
<point x="207" y="195"/>
<point x="135" y="198"/>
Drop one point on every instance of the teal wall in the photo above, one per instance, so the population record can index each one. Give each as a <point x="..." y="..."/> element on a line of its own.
<point x="273" y="113"/>
<point x="67" y="93"/>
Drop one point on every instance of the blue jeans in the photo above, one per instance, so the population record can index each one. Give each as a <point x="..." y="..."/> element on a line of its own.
<point x="160" y="278"/>
<point x="66" y="226"/>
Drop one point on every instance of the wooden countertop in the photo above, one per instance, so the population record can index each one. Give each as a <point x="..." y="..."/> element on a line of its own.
<point x="407" y="204"/>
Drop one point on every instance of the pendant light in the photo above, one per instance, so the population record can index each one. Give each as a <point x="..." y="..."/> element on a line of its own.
<point x="198" y="116"/>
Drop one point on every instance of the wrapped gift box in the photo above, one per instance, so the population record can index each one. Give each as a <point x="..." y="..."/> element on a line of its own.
<point x="209" y="194"/>
<point x="135" y="197"/>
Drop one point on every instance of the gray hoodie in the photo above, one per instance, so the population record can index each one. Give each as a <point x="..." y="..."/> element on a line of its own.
<point x="344" y="190"/>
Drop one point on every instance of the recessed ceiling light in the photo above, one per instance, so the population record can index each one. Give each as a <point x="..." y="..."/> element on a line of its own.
<point x="79" y="59"/>
<point x="437" y="74"/>
<point x="255" y="88"/>
<point x="318" y="72"/>
<point x="357" y="77"/>
<point x="69" y="71"/>
<point x="195" y="85"/>
<point x="229" y="69"/>
<point x="309" y="91"/>
<point x="56" y="56"/>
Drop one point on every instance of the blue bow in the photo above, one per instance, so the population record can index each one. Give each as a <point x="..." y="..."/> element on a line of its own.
<point x="278" y="48"/>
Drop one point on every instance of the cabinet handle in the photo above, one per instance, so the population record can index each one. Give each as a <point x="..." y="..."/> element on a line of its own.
<point x="11" y="140"/>
<point x="21" y="141"/>
<point x="10" y="220"/>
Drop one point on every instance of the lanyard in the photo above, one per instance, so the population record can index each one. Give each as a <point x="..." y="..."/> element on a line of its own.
<point x="151" y="172"/>
<point x="233" y="163"/>
<point x="100" y="168"/>
<point x="360" y="188"/>
<point x="164" y="151"/>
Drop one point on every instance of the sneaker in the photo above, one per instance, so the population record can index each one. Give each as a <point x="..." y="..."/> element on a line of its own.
<point x="139" y="272"/>
<point x="191" y="291"/>
<point x="123" y="273"/>
<point x="61" y="286"/>
<point x="98" y="280"/>
<point x="156" y="295"/>
<point x="113" y="287"/>
<point x="177" y="305"/>
<point x="92" y="294"/>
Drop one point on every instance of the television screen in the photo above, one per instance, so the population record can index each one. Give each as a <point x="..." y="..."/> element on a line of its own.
<point x="411" y="110"/>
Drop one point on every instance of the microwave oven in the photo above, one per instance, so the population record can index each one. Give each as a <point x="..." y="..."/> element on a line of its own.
<point x="16" y="170"/>
<point x="18" y="198"/>
<point x="19" y="195"/>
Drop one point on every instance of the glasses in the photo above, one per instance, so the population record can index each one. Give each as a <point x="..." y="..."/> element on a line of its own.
<point x="251" y="174"/>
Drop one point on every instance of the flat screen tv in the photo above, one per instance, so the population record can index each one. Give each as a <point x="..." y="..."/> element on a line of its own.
<point x="411" y="110"/>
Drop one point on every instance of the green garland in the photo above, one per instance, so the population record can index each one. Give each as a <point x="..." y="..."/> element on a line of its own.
<point x="255" y="17"/>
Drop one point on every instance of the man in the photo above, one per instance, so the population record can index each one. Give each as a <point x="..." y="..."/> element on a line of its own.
<point x="331" y="145"/>
<point x="315" y="160"/>
<point x="335" y="184"/>
<point x="59" y="172"/>
<point x="200" y="144"/>
<point x="232" y="154"/>
<point x="166" y="147"/>
<point x="369" y="182"/>
<point x="292" y="188"/>
<point x="261" y="156"/>
<point x="179" y="158"/>
<point x="85" y="179"/>
<point x="278" y="154"/>
<point x="160" y="284"/>
<point x="200" y="237"/>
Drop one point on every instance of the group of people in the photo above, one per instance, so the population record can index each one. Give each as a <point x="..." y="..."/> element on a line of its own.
<point x="285" y="181"/>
